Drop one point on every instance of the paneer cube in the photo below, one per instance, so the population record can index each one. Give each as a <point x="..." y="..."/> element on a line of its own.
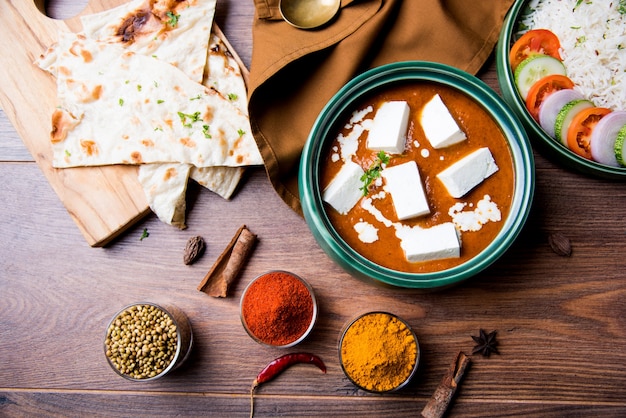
<point x="439" y="125"/>
<point x="468" y="172"/>
<point x="344" y="190"/>
<point x="434" y="243"/>
<point x="389" y="128"/>
<point x="404" y="184"/>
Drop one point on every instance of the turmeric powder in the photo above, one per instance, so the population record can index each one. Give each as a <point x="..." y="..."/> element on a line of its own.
<point x="379" y="352"/>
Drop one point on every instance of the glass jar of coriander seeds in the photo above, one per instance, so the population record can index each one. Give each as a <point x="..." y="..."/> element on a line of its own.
<point x="145" y="341"/>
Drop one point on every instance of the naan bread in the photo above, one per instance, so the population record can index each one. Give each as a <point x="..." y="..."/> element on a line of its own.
<point x="119" y="107"/>
<point x="147" y="28"/>
<point x="171" y="30"/>
<point x="176" y="32"/>
<point x="220" y="180"/>
<point x="224" y="75"/>
<point x="165" y="186"/>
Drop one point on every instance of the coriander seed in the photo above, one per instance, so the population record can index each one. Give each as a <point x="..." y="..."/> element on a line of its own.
<point x="145" y="341"/>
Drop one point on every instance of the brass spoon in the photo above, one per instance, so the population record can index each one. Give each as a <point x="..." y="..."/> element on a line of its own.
<point x="308" y="14"/>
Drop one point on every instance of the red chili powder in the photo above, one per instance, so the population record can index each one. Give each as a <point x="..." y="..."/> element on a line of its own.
<point x="277" y="308"/>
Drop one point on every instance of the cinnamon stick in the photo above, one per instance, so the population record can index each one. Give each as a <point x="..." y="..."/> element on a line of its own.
<point x="439" y="402"/>
<point x="228" y="265"/>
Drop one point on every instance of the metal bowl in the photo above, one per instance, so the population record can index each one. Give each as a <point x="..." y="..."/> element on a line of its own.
<point x="266" y="341"/>
<point x="355" y="379"/>
<point x="308" y="14"/>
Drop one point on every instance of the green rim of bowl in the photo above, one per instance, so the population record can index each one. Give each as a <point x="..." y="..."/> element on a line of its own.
<point x="344" y="102"/>
<point x="506" y="80"/>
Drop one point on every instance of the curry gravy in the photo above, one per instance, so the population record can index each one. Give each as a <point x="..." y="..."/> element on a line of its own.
<point x="481" y="131"/>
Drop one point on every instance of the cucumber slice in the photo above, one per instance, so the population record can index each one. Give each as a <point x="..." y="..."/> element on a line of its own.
<point x="534" y="68"/>
<point x="620" y="151"/>
<point x="565" y="116"/>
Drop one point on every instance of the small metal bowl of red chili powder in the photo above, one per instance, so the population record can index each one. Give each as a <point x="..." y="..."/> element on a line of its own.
<point x="278" y="309"/>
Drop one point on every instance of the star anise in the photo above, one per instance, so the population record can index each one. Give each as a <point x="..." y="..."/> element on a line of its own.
<point x="485" y="343"/>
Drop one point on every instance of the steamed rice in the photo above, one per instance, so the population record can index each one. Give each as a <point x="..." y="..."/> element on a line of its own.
<point x="593" y="45"/>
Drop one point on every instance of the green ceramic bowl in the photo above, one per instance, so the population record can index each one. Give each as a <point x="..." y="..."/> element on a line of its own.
<point x="343" y="103"/>
<point x="544" y="142"/>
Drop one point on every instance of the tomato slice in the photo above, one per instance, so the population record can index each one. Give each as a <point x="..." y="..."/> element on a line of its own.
<point x="535" y="41"/>
<point x="579" y="132"/>
<point x="542" y="89"/>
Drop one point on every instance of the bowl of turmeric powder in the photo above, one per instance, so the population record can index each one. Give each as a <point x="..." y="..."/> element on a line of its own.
<point x="278" y="308"/>
<point x="379" y="352"/>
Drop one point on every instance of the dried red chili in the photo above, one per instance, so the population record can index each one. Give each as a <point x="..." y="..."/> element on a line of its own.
<point x="278" y="365"/>
<point x="277" y="308"/>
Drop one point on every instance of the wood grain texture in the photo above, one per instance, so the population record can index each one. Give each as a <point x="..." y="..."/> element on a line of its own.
<point x="561" y="321"/>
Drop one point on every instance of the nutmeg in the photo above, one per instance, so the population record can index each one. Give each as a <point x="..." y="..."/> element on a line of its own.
<point x="194" y="249"/>
<point x="560" y="244"/>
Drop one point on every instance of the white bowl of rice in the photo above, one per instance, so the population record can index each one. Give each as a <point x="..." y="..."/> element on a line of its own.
<point x="592" y="36"/>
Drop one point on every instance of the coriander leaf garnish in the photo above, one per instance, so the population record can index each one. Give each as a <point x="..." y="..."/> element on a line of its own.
<point x="374" y="171"/>
<point x="173" y="18"/>
<point x="138" y="87"/>
<point x="621" y="8"/>
<point x="67" y="153"/>
<point x="121" y="102"/>
<point x="198" y="97"/>
<point x="159" y="101"/>
<point x="144" y="234"/>
<point x="205" y="131"/>
<point x="193" y="117"/>
<point x="241" y="132"/>
<point x="232" y="96"/>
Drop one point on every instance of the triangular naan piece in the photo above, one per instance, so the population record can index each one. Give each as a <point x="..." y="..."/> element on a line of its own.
<point x="220" y="180"/>
<point x="172" y="31"/>
<point x="118" y="107"/>
<point x="222" y="73"/>
<point x="165" y="186"/>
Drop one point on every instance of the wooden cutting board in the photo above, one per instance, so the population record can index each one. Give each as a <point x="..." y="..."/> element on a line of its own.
<point x="103" y="201"/>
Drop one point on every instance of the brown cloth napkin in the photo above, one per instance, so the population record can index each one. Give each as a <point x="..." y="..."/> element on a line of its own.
<point x="295" y="72"/>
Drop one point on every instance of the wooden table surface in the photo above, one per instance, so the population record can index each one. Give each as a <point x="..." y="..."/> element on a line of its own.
<point x="561" y="321"/>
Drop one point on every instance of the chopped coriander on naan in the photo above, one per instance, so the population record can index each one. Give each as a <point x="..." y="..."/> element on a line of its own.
<point x="175" y="32"/>
<point x="119" y="107"/>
